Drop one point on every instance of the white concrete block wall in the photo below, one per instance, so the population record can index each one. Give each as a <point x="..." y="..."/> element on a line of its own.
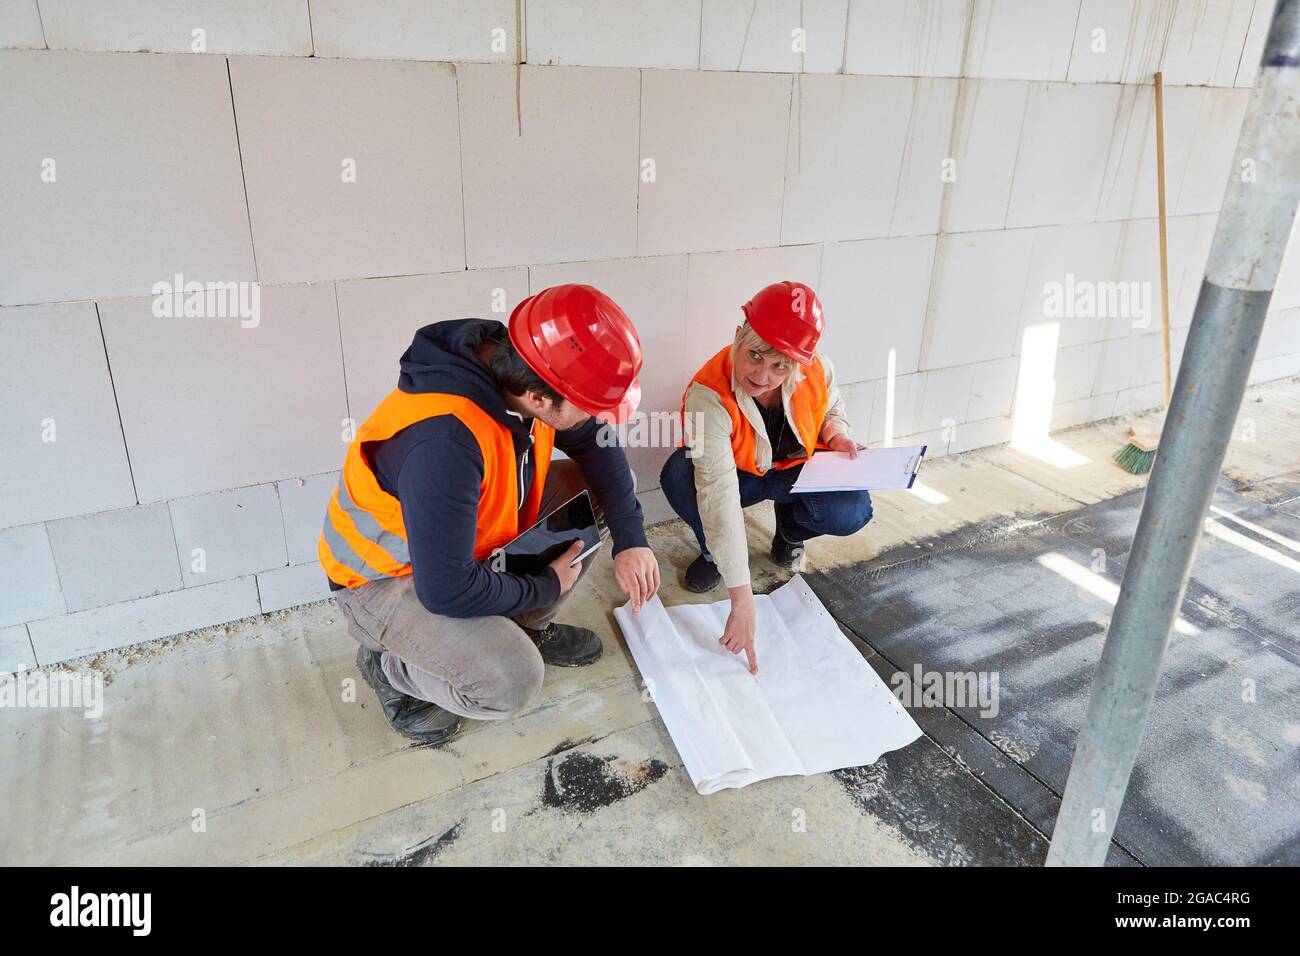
<point x="377" y="317"/>
<point x="933" y="167"/>
<point x="205" y="402"/>
<point x="124" y="170"/>
<point x="60" y="420"/>
<point x="1021" y="39"/>
<point x="478" y="31"/>
<point x="145" y="619"/>
<point x="380" y="179"/>
<point x="32" y="587"/>
<point x="281" y="588"/>
<point x="551" y="176"/>
<point x="228" y="534"/>
<point x="1084" y="250"/>
<point x="971" y="319"/>
<point x="302" y="506"/>
<point x="871" y="285"/>
<point x="1256" y="34"/>
<point x="993" y="386"/>
<point x="1206" y="41"/>
<point x="270" y="27"/>
<point x="20" y="26"/>
<point x="115" y="556"/>
<point x="744" y="35"/>
<point x="1202" y="186"/>
<point x="919" y="193"/>
<point x="985" y="145"/>
<point x="717" y="142"/>
<point x="848" y="135"/>
<point x="906" y="37"/>
<point x="16" y="654"/>
<point x="1062" y="156"/>
<point x="664" y="34"/>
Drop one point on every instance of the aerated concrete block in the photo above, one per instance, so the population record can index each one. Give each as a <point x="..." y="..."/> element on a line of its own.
<point x="31" y="587"/>
<point x="664" y="35"/>
<point x="58" y="417"/>
<point x="254" y="27"/>
<point x="134" y="622"/>
<point x="464" y="31"/>
<point x="564" y="187"/>
<point x="15" y="650"/>
<point x="117" y="171"/>
<point x="303" y="502"/>
<point x="115" y="556"/>
<point x="378" y="318"/>
<point x="719" y="167"/>
<point x="352" y="166"/>
<point x="20" y="25"/>
<point x="291" y="586"/>
<point x="228" y="534"/>
<point x="209" y="404"/>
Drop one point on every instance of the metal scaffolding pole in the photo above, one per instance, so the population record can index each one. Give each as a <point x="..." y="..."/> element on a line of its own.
<point x="1252" y="233"/>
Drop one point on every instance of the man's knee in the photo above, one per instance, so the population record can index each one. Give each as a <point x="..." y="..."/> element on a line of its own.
<point x="508" y="686"/>
<point x="564" y="479"/>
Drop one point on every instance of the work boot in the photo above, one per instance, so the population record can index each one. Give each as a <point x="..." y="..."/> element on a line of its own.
<point x="411" y="717"/>
<point x="565" y="645"/>
<point x="787" y="554"/>
<point x="702" y="575"/>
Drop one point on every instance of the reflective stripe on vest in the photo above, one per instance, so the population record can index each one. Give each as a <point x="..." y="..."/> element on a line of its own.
<point x="808" y="404"/>
<point x="364" y="537"/>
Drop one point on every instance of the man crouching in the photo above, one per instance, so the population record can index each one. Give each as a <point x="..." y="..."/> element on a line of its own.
<point x="453" y="464"/>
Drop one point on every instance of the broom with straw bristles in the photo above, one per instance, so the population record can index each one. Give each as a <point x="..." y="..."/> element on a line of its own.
<point x="1139" y="454"/>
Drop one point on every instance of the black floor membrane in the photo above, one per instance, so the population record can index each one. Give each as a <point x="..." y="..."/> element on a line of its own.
<point x="1217" y="780"/>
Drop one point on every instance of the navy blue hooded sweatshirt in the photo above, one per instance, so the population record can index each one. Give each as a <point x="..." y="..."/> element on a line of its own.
<point x="434" y="468"/>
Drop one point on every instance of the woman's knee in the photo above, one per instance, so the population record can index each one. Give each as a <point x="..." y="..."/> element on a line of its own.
<point x="850" y="513"/>
<point x="677" y="479"/>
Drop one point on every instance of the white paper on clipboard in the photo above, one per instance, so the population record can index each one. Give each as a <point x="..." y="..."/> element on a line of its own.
<point x="875" y="469"/>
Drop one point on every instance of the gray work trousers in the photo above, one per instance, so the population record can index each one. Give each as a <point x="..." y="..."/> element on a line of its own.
<point x="485" y="668"/>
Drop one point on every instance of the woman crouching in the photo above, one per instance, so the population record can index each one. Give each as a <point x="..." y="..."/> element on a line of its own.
<point x="753" y="415"/>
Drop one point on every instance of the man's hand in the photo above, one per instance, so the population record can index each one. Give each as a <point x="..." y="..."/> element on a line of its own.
<point x="637" y="573"/>
<point x="838" y="442"/>
<point x="739" y="633"/>
<point x="568" y="575"/>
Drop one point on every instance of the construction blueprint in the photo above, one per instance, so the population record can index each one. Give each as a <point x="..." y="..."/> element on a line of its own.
<point x="815" y="704"/>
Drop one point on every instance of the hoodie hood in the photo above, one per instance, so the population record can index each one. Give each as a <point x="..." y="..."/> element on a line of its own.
<point x="442" y="359"/>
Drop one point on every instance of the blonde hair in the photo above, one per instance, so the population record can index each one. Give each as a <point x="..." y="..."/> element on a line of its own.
<point x="747" y="340"/>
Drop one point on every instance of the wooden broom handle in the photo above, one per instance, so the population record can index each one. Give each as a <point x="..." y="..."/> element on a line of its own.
<point x="1164" y="250"/>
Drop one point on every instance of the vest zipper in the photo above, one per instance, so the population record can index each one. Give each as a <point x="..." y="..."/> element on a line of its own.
<point x="523" y="463"/>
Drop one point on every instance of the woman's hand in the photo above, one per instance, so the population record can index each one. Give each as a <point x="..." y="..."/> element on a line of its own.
<point x="838" y="442"/>
<point x="739" y="633"/>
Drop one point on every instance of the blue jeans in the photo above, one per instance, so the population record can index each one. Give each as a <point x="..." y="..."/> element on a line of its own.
<point x="798" y="516"/>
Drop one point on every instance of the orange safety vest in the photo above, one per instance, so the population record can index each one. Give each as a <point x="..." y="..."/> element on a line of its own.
<point x="364" y="538"/>
<point x="808" y="406"/>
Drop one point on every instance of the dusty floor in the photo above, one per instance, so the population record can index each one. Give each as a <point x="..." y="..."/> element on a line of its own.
<point x="244" y="743"/>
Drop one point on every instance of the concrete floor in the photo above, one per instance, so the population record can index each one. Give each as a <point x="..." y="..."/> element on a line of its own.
<point x="250" y="729"/>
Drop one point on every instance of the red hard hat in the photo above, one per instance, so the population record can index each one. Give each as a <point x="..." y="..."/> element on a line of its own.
<point x="583" y="345"/>
<point x="788" y="316"/>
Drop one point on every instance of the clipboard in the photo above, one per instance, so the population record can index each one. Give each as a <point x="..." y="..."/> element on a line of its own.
<point x="875" y="469"/>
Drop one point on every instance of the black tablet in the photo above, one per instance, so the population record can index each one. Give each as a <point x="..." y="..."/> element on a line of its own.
<point x="534" y="549"/>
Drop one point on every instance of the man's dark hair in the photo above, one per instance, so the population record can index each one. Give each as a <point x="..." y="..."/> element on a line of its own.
<point x="516" y="376"/>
